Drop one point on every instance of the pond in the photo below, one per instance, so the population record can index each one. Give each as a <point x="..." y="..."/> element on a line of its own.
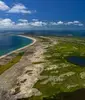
<point x="77" y="60"/>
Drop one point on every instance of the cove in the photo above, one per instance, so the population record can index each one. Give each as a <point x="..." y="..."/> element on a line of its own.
<point x="77" y="60"/>
<point x="9" y="43"/>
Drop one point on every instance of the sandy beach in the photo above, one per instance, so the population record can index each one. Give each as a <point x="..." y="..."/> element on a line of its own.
<point x="24" y="74"/>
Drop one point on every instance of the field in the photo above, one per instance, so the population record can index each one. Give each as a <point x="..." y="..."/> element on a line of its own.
<point x="59" y="75"/>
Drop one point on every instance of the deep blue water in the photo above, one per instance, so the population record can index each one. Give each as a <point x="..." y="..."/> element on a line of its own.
<point x="77" y="60"/>
<point x="76" y="33"/>
<point x="10" y="43"/>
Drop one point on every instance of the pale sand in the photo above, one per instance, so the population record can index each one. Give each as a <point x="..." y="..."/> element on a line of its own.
<point x="31" y="77"/>
<point x="34" y="40"/>
<point x="23" y="70"/>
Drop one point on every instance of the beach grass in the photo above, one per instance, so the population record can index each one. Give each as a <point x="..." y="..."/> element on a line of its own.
<point x="56" y="66"/>
<point x="59" y="75"/>
<point x="3" y="68"/>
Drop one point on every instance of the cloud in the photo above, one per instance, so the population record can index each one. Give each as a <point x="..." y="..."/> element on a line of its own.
<point x="53" y="23"/>
<point x="25" y="24"/>
<point x="60" y="23"/>
<point x="23" y="20"/>
<point x="9" y="24"/>
<point x="6" y="22"/>
<point x="34" y="23"/>
<point x="80" y="24"/>
<point x="38" y="23"/>
<point x="57" y="23"/>
<point x="68" y="23"/>
<point x="20" y="24"/>
<point x="3" y="6"/>
<point x="19" y="8"/>
<point x="77" y="23"/>
<point x="34" y="20"/>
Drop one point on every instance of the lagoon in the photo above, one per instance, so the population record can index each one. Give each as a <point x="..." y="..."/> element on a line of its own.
<point x="9" y="43"/>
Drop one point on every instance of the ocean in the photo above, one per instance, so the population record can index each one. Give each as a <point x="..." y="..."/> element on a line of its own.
<point x="10" y="43"/>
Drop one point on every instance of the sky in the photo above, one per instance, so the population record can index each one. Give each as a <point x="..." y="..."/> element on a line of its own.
<point x="42" y="14"/>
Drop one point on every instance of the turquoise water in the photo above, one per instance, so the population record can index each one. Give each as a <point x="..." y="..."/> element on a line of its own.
<point x="10" y="43"/>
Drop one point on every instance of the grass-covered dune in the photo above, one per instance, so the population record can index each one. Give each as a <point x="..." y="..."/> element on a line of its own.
<point x="16" y="59"/>
<point x="59" y="75"/>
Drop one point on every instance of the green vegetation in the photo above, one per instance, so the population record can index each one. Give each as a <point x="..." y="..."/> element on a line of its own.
<point x="3" y="68"/>
<point x="59" y="75"/>
<point x="39" y="62"/>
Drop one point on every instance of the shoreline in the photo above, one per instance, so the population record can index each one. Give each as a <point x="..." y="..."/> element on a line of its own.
<point x="23" y="75"/>
<point x="33" y="39"/>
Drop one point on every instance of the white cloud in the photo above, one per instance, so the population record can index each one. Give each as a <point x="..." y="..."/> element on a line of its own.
<point x="68" y="23"/>
<point x="60" y="23"/>
<point x="6" y="22"/>
<point x="3" y="6"/>
<point x="80" y="24"/>
<point x="57" y="23"/>
<point x="53" y="23"/>
<point x="77" y="23"/>
<point x="9" y="24"/>
<point x="19" y="8"/>
<point x="22" y="23"/>
<point x="25" y="24"/>
<point x="23" y="20"/>
<point x="34" y="23"/>
<point x="38" y="23"/>
<point x="34" y="20"/>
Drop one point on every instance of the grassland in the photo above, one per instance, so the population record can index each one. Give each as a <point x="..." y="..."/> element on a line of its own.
<point x="3" y="68"/>
<point x="59" y="75"/>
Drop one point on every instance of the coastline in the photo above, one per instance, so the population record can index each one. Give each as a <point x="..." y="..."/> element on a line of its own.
<point x="24" y="74"/>
<point x="34" y="40"/>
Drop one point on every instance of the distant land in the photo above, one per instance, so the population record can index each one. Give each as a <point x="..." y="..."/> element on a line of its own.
<point x="76" y="33"/>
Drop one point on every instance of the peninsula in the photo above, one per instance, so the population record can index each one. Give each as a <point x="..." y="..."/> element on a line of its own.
<point x="43" y="70"/>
